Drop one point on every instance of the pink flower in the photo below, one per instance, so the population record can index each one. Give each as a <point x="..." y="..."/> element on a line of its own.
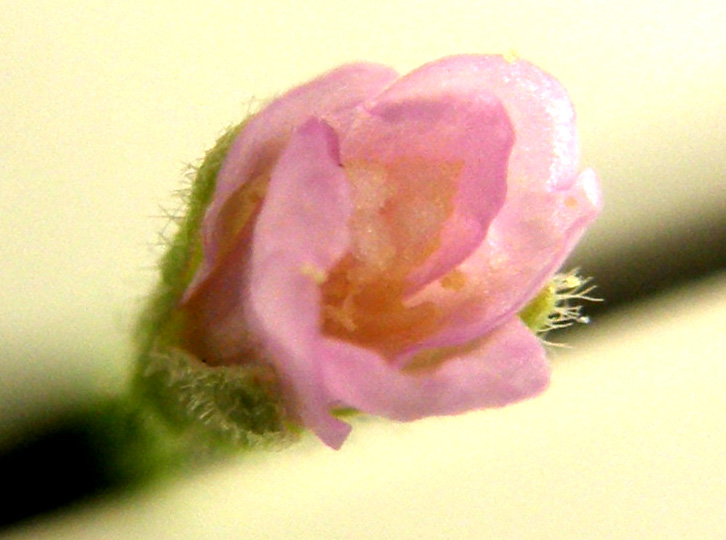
<point x="373" y="237"/>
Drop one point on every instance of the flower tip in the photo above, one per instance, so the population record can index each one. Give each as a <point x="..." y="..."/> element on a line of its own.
<point x="511" y="56"/>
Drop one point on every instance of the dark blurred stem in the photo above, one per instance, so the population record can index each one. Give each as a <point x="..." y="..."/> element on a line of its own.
<point x="106" y="445"/>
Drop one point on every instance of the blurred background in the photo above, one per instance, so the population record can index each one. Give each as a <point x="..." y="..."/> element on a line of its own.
<point x="103" y="104"/>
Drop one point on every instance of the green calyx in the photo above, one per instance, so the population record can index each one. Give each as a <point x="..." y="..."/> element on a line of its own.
<point x="184" y="251"/>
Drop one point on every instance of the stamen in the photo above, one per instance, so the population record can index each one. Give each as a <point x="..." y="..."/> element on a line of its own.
<point x="552" y="308"/>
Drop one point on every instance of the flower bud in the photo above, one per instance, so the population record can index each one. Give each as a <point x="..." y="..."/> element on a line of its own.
<point x="371" y="242"/>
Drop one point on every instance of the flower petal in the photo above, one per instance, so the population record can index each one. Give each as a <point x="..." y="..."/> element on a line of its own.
<point x="294" y="244"/>
<point x="507" y="366"/>
<point x="547" y="209"/>
<point x="526" y="244"/>
<point x="430" y="118"/>
<point x="546" y="148"/>
<point x="333" y="96"/>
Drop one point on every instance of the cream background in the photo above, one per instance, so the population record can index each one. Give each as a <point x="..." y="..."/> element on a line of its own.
<point x="102" y="104"/>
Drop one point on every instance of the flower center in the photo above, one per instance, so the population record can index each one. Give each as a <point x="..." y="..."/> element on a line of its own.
<point x="399" y="212"/>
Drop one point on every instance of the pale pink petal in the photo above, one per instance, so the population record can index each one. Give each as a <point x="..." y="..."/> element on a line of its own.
<point x="547" y="209"/>
<point x="215" y="326"/>
<point x="546" y="148"/>
<point x="449" y="118"/>
<point x="507" y="366"/>
<point x="525" y="245"/>
<point x="333" y="96"/>
<point x="300" y="233"/>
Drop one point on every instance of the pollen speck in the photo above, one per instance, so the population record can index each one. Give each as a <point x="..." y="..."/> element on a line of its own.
<point x="454" y="280"/>
<point x="511" y="56"/>
<point x="313" y="272"/>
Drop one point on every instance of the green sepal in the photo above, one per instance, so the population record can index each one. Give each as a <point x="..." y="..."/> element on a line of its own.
<point x="237" y="406"/>
<point x="184" y="251"/>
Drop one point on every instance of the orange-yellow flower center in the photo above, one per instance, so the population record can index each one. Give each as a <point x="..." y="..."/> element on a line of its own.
<point x="400" y="210"/>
